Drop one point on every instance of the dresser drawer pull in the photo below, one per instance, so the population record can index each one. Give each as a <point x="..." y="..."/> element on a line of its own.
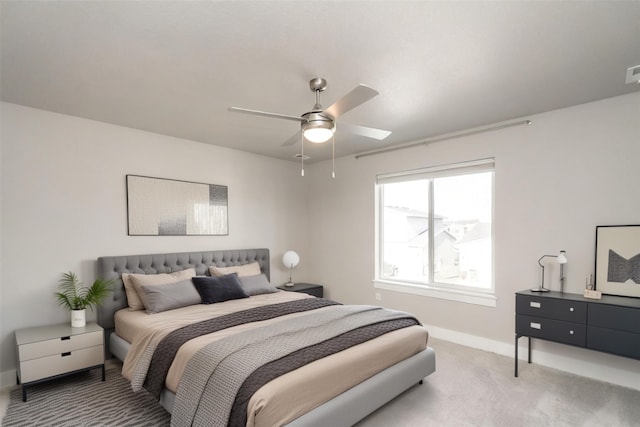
<point x="571" y="309"/>
<point x="535" y="304"/>
<point x="571" y="332"/>
<point x="65" y="354"/>
<point x="535" y="325"/>
<point x="65" y="338"/>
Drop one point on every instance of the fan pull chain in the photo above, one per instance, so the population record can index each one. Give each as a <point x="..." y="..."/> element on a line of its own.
<point x="302" y="154"/>
<point x="333" y="156"/>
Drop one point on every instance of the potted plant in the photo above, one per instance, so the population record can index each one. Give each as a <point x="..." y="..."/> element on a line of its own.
<point x="76" y="298"/>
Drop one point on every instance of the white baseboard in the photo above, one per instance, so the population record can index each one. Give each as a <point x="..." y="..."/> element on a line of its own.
<point x="579" y="361"/>
<point x="8" y="379"/>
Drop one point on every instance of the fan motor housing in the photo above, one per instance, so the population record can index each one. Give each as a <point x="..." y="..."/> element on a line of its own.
<point x="318" y="119"/>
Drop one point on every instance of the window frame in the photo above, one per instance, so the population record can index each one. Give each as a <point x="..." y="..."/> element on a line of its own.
<point x="466" y="294"/>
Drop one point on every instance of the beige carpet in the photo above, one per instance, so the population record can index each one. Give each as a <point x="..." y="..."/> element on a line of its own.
<point x="475" y="388"/>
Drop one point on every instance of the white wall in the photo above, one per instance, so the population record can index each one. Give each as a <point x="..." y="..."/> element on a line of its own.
<point x="555" y="181"/>
<point x="64" y="205"/>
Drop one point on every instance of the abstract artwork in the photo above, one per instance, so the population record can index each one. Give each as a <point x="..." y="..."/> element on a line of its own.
<point x="167" y="207"/>
<point x="618" y="259"/>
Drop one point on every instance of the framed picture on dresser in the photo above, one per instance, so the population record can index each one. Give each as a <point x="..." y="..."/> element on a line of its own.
<point x="618" y="260"/>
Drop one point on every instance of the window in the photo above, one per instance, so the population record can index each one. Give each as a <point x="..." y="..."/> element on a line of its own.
<point x="435" y="230"/>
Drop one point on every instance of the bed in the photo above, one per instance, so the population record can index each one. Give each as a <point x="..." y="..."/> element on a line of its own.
<point x="325" y="391"/>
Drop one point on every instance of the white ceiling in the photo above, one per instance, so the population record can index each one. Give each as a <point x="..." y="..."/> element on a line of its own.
<point x="174" y="67"/>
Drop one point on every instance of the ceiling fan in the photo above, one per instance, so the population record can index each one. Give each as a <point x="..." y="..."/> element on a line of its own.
<point x="319" y="124"/>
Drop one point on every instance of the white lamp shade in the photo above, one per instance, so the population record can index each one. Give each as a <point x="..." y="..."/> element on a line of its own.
<point x="562" y="258"/>
<point x="290" y="259"/>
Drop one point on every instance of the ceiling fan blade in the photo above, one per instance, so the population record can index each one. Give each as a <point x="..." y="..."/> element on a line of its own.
<point x="266" y="114"/>
<point x="362" y="93"/>
<point x="295" y="138"/>
<point x="364" y="131"/>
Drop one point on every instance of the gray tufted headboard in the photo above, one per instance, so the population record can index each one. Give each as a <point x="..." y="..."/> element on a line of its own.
<point x="112" y="267"/>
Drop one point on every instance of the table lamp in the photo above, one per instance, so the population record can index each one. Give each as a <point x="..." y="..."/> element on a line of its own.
<point x="562" y="260"/>
<point x="290" y="260"/>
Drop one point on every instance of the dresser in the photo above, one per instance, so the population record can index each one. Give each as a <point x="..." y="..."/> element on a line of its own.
<point x="610" y="325"/>
<point x="48" y="352"/>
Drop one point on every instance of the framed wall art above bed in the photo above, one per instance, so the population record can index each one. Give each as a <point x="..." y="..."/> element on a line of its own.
<point x="618" y="260"/>
<point x="167" y="207"/>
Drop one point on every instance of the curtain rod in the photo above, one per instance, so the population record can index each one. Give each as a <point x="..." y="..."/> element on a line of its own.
<point x="445" y="137"/>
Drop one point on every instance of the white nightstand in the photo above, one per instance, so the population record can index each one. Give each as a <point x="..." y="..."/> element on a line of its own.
<point x="49" y="352"/>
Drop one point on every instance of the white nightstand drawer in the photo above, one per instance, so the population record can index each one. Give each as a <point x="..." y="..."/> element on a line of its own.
<point x="56" y="346"/>
<point x="43" y="367"/>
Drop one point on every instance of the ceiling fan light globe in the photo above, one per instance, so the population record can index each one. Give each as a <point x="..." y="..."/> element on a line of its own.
<point x="318" y="135"/>
<point x="317" y="128"/>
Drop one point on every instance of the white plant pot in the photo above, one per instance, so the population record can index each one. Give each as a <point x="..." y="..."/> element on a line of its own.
<point x="78" y="318"/>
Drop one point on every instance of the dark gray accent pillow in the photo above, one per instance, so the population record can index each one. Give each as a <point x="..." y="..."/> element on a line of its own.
<point x="219" y="288"/>
<point x="256" y="285"/>
<point x="158" y="298"/>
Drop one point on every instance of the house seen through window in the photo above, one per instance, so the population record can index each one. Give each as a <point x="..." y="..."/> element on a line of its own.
<point x="435" y="226"/>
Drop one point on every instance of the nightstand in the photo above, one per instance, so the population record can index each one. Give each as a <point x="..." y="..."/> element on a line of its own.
<point x="306" y="288"/>
<point x="49" y="352"/>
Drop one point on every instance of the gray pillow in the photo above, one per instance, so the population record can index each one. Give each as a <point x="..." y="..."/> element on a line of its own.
<point x="256" y="285"/>
<point x="157" y="298"/>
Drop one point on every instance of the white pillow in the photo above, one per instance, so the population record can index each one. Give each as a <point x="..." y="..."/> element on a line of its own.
<point x="252" y="269"/>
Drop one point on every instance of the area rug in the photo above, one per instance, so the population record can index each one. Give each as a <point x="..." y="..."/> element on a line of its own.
<point x="84" y="400"/>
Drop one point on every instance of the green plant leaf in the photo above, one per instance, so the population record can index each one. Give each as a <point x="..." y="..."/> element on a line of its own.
<point x="97" y="292"/>
<point x="74" y="296"/>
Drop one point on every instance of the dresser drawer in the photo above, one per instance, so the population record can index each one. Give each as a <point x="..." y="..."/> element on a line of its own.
<point x="48" y="366"/>
<point x="553" y="330"/>
<point x="57" y="346"/>
<point x="550" y="308"/>
<point x="612" y="341"/>
<point x="615" y="317"/>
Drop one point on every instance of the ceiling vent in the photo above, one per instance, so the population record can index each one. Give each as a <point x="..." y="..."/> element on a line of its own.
<point x="633" y="74"/>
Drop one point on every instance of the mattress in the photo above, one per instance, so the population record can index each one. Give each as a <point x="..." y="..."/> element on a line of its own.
<point x="289" y="396"/>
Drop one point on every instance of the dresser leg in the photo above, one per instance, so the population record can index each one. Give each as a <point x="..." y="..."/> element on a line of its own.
<point x="529" y="346"/>
<point x="516" y="357"/>
<point x="24" y="394"/>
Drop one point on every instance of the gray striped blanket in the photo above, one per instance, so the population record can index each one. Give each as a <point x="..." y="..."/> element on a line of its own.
<point x="215" y="374"/>
<point x="164" y="354"/>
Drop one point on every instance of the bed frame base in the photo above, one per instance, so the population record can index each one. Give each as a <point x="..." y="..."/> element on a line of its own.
<point x="356" y="403"/>
<point x="349" y="407"/>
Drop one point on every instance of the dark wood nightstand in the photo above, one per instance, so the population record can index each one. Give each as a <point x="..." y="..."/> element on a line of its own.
<point x="307" y="288"/>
